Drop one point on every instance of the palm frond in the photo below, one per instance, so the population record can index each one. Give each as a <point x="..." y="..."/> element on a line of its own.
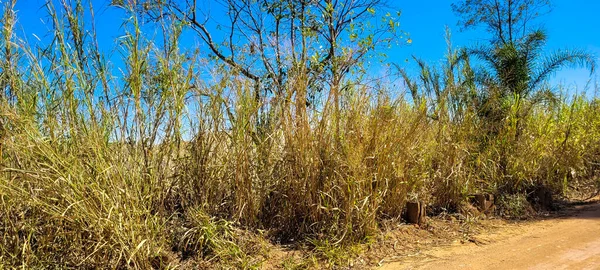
<point x="559" y="59"/>
<point x="533" y="43"/>
<point x="410" y="84"/>
<point x="486" y="54"/>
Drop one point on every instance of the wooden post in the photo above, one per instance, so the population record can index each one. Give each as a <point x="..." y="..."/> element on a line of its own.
<point x="542" y="198"/>
<point x="415" y="213"/>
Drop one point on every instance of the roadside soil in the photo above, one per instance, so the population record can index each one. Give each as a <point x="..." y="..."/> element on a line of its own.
<point x="567" y="240"/>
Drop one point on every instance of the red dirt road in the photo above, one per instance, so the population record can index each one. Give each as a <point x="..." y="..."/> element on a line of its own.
<point x="571" y="242"/>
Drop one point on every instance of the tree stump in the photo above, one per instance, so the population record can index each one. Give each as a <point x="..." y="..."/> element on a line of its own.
<point x="542" y="198"/>
<point x="483" y="201"/>
<point x="415" y="213"/>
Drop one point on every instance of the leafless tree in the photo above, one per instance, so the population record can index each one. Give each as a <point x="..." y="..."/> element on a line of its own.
<point x="507" y="20"/>
<point x="302" y="46"/>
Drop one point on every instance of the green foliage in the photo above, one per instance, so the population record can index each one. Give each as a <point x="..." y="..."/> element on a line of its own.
<point x="514" y="206"/>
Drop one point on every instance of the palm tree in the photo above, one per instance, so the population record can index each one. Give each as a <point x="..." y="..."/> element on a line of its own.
<point x="517" y="70"/>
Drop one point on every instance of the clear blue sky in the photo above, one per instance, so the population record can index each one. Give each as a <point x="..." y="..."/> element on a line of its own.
<point x="571" y="24"/>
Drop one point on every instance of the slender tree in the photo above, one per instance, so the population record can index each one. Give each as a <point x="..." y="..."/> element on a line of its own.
<point x="506" y="20"/>
<point x="314" y="44"/>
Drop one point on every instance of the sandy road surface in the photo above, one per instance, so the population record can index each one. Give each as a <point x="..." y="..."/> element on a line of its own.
<point x="571" y="242"/>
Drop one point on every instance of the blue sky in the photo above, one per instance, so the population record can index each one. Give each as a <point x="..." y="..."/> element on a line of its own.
<point x="571" y="24"/>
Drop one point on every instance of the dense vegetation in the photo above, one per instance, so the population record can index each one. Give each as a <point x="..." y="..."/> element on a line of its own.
<point x="151" y="161"/>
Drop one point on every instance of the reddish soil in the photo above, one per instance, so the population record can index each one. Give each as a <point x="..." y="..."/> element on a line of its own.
<point x="569" y="241"/>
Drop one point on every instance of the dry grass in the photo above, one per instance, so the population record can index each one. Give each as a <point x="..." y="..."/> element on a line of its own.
<point x="97" y="171"/>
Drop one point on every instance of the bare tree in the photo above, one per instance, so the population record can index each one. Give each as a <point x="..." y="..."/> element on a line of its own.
<point x="314" y="42"/>
<point x="507" y="20"/>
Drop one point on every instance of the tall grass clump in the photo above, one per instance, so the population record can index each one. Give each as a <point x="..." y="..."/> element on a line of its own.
<point x="162" y="157"/>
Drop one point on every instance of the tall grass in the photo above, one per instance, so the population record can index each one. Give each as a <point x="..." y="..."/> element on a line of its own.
<point x="153" y="163"/>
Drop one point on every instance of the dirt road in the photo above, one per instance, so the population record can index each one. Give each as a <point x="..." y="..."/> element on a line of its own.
<point x="571" y="242"/>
